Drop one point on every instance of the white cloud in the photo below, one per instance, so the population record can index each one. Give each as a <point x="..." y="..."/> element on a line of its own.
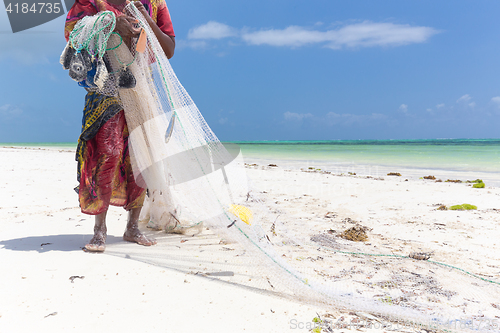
<point x="292" y="36"/>
<point x="193" y="44"/>
<point x="464" y="99"/>
<point x="496" y="100"/>
<point x="333" y="118"/>
<point x="439" y="106"/>
<point x="222" y="121"/>
<point x="292" y="116"/>
<point x="10" y="111"/>
<point x="212" y="30"/>
<point x="429" y="110"/>
<point x="403" y="108"/>
<point x="365" y="34"/>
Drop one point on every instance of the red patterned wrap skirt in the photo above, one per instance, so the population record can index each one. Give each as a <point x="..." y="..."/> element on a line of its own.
<point x="105" y="172"/>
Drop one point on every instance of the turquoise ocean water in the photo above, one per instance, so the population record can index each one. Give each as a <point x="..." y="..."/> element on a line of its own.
<point x="479" y="155"/>
<point x="51" y="145"/>
<point x="458" y="155"/>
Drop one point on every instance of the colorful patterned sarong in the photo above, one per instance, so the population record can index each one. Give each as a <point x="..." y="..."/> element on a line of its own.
<point x="104" y="170"/>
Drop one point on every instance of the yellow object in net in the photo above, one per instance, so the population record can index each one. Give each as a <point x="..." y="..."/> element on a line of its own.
<point x="244" y="213"/>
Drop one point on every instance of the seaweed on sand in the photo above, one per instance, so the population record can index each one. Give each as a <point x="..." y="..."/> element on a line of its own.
<point x="463" y="207"/>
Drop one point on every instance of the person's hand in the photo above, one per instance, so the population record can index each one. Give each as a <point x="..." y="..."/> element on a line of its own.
<point x="125" y="27"/>
<point x="141" y="8"/>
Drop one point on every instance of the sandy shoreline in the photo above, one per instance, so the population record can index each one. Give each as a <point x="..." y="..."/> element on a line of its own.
<point x="131" y="287"/>
<point x="492" y="179"/>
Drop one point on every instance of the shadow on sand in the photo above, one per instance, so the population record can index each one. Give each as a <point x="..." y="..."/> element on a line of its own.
<point x="52" y="243"/>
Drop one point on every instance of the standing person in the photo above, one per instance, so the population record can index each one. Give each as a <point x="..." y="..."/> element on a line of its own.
<point x="104" y="171"/>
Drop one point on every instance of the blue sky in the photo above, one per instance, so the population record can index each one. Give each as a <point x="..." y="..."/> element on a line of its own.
<point x="292" y="70"/>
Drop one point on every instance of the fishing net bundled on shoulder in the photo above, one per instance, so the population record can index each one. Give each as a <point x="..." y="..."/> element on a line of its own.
<point x="90" y="55"/>
<point x="192" y="178"/>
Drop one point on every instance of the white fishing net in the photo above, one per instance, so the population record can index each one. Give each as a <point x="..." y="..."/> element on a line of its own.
<point x="193" y="180"/>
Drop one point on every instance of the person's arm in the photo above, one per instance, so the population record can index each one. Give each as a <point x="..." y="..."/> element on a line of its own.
<point x="167" y="42"/>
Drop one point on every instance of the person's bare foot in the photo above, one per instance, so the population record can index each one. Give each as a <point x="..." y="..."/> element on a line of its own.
<point x="98" y="242"/>
<point x="132" y="233"/>
<point x="135" y="236"/>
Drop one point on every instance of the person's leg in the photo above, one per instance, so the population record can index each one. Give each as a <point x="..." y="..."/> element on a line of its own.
<point x="101" y="157"/>
<point x="132" y="233"/>
<point x="97" y="243"/>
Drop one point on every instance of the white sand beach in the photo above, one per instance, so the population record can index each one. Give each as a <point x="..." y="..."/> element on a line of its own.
<point x="50" y="284"/>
